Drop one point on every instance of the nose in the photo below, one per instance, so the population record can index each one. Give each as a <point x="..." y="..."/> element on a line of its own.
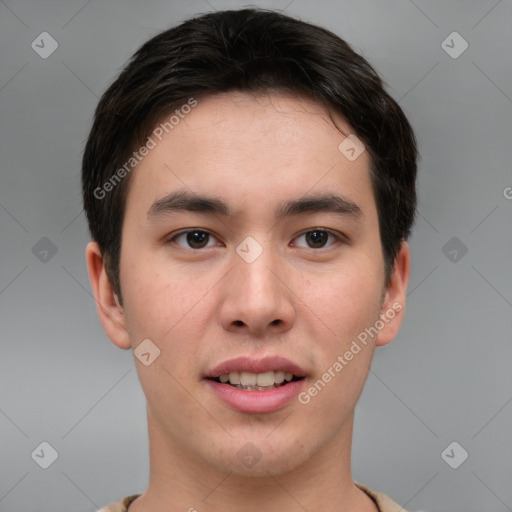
<point x="256" y="300"/>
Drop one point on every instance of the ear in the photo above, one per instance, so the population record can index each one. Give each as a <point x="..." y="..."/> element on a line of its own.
<point x="110" y="311"/>
<point x="393" y="307"/>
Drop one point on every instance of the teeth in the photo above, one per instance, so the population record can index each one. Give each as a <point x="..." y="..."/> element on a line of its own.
<point x="234" y="378"/>
<point x="265" y="379"/>
<point x="249" y="380"/>
<point x="278" y="377"/>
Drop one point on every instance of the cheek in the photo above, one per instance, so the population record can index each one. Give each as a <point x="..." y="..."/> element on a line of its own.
<point x="159" y="296"/>
<point x="347" y="301"/>
<point x="171" y="310"/>
<point x="349" y="305"/>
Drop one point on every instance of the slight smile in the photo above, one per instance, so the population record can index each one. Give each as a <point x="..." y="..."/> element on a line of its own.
<point x="256" y="386"/>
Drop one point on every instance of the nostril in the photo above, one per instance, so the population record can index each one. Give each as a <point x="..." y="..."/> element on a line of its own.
<point x="277" y="321"/>
<point x="239" y="322"/>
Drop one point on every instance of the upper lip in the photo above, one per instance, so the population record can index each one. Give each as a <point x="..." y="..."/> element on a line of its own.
<point x="252" y="365"/>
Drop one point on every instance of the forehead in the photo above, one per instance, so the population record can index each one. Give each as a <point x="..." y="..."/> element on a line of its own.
<point x="250" y="148"/>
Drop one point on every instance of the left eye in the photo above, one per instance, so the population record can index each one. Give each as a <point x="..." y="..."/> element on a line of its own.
<point x="317" y="238"/>
<point x="194" y="238"/>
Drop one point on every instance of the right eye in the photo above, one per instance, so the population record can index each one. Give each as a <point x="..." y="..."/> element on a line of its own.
<point x="194" y="238"/>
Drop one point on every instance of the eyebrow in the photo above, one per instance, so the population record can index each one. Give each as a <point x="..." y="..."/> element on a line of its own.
<point x="182" y="200"/>
<point x="323" y="203"/>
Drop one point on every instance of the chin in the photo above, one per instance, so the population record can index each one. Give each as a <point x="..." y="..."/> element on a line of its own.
<point x="262" y="458"/>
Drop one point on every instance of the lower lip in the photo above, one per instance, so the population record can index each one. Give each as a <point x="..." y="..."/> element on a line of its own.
<point x="256" y="402"/>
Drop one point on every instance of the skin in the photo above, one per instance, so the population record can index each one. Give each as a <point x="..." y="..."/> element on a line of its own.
<point x="203" y="306"/>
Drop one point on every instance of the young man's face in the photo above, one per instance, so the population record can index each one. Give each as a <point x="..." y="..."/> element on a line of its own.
<point x="285" y="288"/>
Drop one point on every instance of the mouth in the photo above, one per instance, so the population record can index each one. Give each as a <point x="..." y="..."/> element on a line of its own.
<point x="257" y="381"/>
<point x="256" y="385"/>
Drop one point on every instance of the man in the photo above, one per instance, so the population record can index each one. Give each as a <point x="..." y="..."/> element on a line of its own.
<point x="250" y="188"/>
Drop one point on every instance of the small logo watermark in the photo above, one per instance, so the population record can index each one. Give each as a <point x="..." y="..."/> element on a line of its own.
<point x="351" y="147"/>
<point x="44" y="45"/>
<point x="44" y="455"/>
<point x="44" y="250"/>
<point x="249" y="249"/>
<point x="454" y="455"/>
<point x="249" y="455"/>
<point x="454" y="45"/>
<point x="146" y="352"/>
<point x="454" y="249"/>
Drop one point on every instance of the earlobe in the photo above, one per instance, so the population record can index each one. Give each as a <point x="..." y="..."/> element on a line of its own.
<point x="393" y="306"/>
<point x="110" y="312"/>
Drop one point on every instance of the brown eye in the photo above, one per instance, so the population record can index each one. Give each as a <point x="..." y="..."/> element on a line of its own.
<point x="193" y="239"/>
<point x="197" y="239"/>
<point x="316" y="239"/>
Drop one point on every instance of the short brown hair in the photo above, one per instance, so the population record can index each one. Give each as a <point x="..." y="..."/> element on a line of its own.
<point x="252" y="50"/>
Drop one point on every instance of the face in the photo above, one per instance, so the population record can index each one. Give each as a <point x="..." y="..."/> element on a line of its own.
<point x="251" y="252"/>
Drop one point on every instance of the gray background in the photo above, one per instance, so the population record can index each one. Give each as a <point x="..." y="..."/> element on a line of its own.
<point x="445" y="378"/>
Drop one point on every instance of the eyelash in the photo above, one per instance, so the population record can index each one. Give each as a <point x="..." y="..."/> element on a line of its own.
<point x="339" y="237"/>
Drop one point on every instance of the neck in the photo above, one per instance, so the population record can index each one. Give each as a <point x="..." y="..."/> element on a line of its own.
<point x="180" y="481"/>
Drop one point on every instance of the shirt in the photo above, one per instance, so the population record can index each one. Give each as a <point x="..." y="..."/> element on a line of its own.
<point x="383" y="502"/>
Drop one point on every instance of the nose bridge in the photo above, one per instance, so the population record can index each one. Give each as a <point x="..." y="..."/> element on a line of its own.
<point x="256" y="299"/>
<point x="255" y="261"/>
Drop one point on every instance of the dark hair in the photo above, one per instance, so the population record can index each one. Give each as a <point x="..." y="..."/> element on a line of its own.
<point x="252" y="50"/>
